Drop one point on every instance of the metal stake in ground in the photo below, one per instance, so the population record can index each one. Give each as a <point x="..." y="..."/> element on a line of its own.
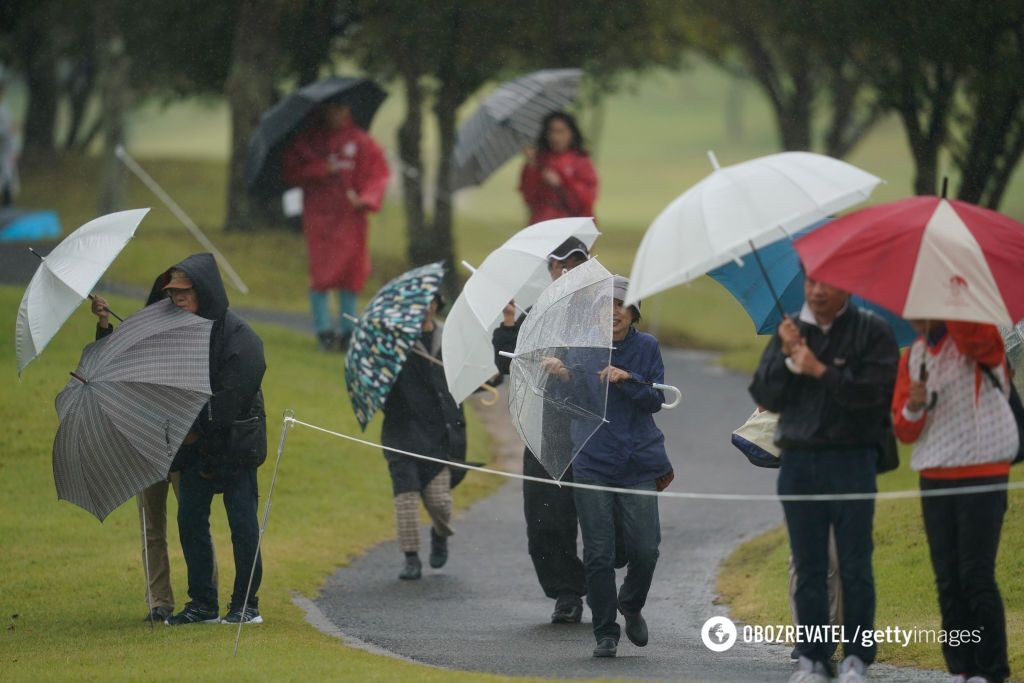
<point x="289" y="418"/>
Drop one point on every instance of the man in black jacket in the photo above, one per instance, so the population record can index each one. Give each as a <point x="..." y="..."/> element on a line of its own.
<point x="225" y="446"/>
<point x="830" y="376"/>
<point x="551" y="525"/>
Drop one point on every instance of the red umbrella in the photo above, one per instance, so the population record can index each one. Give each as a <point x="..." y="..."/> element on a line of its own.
<point x="925" y="258"/>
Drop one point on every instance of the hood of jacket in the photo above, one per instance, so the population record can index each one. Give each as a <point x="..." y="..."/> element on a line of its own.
<point x="202" y="270"/>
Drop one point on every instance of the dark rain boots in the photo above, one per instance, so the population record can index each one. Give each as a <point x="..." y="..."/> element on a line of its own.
<point x="413" y="569"/>
<point x="438" y="549"/>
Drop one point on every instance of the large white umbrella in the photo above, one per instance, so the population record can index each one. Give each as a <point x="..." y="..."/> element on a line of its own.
<point x="66" y="277"/>
<point x="738" y="209"/>
<point x="518" y="270"/>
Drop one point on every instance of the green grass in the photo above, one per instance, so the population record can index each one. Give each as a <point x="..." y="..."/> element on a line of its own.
<point x="72" y="590"/>
<point x="753" y="580"/>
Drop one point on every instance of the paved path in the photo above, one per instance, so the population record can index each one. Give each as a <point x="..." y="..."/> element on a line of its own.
<point x="485" y="612"/>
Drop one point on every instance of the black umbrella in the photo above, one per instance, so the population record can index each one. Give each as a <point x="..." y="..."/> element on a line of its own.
<point x="280" y="123"/>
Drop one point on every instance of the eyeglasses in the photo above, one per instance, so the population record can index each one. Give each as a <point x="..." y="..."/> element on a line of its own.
<point x="171" y="293"/>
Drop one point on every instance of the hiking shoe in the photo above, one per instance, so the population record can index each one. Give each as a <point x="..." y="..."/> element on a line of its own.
<point x="438" y="549"/>
<point x="235" y="616"/>
<point x="158" y="614"/>
<point x="606" y="647"/>
<point x="810" y="671"/>
<point x="194" y="614"/>
<point x="568" y="609"/>
<point x="636" y="629"/>
<point x="852" y="670"/>
<point x="328" y="342"/>
<point x="344" y="340"/>
<point x="412" y="570"/>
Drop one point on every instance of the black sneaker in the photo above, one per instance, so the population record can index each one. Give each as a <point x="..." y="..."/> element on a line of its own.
<point x="636" y="629"/>
<point x="606" y="647"/>
<point x="234" y="616"/>
<point x="568" y="609"/>
<point x="158" y="614"/>
<point x="412" y="569"/>
<point x="438" y="549"/>
<point x="328" y="341"/>
<point x="194" y="614"/>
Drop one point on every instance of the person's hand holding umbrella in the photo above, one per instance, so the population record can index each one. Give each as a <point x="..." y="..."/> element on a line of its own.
<point x="789" y="335"/>
<point x="551" y="177"/>
<point x="100" y="310"/>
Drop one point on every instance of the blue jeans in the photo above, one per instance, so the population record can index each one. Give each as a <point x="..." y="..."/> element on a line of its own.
<point x="641" y="531"/>
<point x="828" y="472"/>
<point x="240" y="502"/>
<point x="318" y="301"/>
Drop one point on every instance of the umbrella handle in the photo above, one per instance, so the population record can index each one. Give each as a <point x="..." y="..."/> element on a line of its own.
<point x="494" y="395"/>
<point x="672" y="390"/>
<point x="119" y="318"/>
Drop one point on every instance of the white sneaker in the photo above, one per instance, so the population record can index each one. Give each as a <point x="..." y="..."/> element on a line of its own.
<point x="852" y="670"/>
<point x="959" y="678"/>
<point x="810" y="672"/>
<point x="978" y="679"/>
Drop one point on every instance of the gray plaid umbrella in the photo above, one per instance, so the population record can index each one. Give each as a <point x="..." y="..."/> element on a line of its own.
<point x="509" y="118"/>
<point x="129" y="405"/>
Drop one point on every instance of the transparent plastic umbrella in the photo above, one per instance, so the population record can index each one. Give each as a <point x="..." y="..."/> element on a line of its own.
<point x="558" y="393"/>
<point x="518" y="270"/>
<point x="1013" y="337"/>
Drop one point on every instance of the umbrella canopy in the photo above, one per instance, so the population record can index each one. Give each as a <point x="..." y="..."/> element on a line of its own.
<point x="739" y="208"/>
<point x="518" y="270"/>
<point x="388" y="328"/>
<point x="1013" y="338"/>
<point x="19" y="225"/>
<point x="925" y="258"/>
<point x="129" y="405"/>
<point x="280" y="123"/>
<point x="66" y="276"/>
<point x="571" y="323"/>
<point x="746" y="282"/>
<point x="509" y="118"/>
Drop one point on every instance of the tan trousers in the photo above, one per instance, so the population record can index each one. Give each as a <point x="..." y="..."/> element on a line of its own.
<point x="835" y="586"/>
<point x="437" y="497"/>
<point x="153" y="501"/>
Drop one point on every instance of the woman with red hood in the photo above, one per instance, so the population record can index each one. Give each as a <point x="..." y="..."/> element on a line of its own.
<point x="343" y="175"/>
<point x="558" y="180"/>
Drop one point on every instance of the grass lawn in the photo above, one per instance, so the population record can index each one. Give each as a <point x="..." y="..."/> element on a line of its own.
<point x="72" y="589"/>
<point x="753" y="580"/>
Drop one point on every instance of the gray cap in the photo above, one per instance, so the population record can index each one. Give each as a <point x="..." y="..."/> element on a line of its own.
<point x="620" y="288"/>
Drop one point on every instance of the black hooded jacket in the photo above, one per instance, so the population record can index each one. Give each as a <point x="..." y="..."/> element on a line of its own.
<point x="849" y="406"/>
<point x="237" y="363"/>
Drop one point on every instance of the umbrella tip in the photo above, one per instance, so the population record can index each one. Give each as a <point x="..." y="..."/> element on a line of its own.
<point x="713" y="159"/>
<point x="945" y="185"/>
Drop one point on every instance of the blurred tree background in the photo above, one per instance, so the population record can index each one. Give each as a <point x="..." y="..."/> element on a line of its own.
<point x="952" y="72"/>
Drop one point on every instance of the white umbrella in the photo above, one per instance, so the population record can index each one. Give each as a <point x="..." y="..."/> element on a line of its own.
<point x="518" y="270"/>
<point x="66" y="277"/>
<point x="738" y="209"/>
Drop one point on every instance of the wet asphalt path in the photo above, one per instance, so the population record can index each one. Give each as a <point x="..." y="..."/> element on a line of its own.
<point x="484" y="611"/>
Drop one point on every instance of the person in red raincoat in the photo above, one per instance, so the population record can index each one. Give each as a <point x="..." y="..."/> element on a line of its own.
<point x="558" y="180"/>
<point x="343" y="174"/>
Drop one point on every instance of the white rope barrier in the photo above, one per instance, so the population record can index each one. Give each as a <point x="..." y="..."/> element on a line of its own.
<point x="685" y="495"/>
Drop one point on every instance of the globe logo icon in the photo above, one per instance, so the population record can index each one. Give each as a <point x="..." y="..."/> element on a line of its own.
<point x="718" y="634"/>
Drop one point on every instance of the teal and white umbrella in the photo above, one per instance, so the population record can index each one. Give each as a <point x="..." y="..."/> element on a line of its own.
<point x="384" y="336"/>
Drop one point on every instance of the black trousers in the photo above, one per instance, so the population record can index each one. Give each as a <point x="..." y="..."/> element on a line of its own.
<point x="963" y="536"/>
<point x="551" y="530"/>
<point x="240" y="502"/>
<point x="830" y="472"/>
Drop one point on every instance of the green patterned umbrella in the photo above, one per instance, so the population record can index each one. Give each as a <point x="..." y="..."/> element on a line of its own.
<point x="388" y="328"/>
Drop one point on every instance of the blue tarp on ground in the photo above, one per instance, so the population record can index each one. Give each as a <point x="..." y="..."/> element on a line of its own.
<point x="20" y="225"/>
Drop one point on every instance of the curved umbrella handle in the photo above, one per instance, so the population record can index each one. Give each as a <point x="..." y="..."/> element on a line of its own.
<point x="672" y="390"/>
<point x="494" y="395"/>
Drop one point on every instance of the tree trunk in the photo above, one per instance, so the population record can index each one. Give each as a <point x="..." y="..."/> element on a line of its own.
<point x="250" y="92"/>
<point x="38" y="56"/>
<point x="116" y="100"/>
<point x="80" y="87"/>
<point x="442" y="245"/>
<point x="410" y="137"/>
